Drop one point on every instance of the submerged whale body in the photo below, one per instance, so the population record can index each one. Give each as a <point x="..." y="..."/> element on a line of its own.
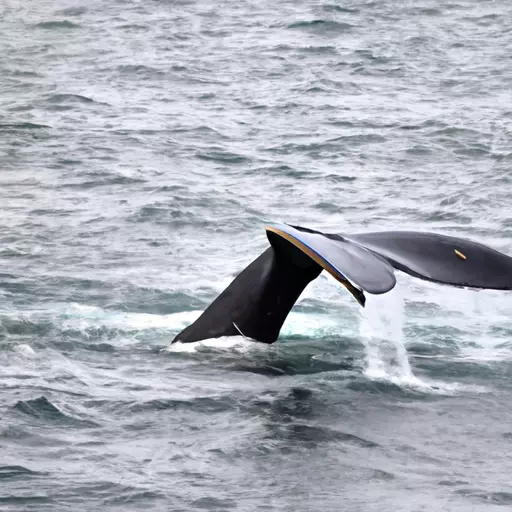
<point x="259" y="299"/>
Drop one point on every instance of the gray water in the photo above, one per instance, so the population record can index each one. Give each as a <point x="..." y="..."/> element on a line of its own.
<point x="143" y="147"/>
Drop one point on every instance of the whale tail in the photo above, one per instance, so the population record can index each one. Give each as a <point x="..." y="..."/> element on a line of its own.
<point x="259" y="299"/>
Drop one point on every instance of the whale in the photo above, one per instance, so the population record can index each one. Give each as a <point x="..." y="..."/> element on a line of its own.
<point x="257" y="302"/>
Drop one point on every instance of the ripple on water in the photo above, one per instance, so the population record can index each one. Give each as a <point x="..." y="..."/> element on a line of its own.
<point x="322" y="26"/>
<point x="14" y="472"/>
<point x="486" y="496"/>
<point x="212" y="503"/>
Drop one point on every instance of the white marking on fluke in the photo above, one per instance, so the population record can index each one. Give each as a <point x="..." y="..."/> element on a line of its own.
<point x="241" y="333"/>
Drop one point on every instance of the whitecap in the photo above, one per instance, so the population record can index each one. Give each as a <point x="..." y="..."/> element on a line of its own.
<point x="25" y="350"/>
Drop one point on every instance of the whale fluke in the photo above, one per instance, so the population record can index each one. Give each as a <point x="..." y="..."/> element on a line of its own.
<point x="259" y="299"/>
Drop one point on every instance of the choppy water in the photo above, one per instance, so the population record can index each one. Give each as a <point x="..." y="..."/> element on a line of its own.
<point x="143" y="145"/>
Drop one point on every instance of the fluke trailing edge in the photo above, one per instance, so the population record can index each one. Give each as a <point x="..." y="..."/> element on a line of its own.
<point x="259" y="299"/>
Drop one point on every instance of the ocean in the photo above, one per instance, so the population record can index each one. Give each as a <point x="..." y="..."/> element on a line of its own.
<point x="143" y="147"/>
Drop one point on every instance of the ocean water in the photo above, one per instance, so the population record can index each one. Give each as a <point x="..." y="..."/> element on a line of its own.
<point x="143" y="146"/>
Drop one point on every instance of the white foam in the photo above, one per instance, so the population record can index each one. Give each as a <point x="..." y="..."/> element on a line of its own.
<point x="237" y="344"/>
<point x="25" y="350"/>
<point x="82" y="317"/>
<point x="424" y="386"/>
<point x="77" y="316"/>
<point x="485" y="354"/>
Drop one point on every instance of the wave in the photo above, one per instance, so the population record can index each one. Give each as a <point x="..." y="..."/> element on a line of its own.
<point x="22" y="126"/>
<point x="17" y="471"/>
<point x="42" y="409"/>
<point x="61" y="98"/>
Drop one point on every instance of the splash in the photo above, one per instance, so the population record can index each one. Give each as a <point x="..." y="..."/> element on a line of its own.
<point x="381" y="329"/>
